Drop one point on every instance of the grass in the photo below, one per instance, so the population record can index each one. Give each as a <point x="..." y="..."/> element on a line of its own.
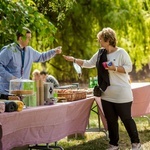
<point x="98" y="140"/>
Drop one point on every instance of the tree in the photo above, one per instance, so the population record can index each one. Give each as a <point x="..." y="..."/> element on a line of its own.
<point x="77" y="31"/>
<point x="14" y="14"/>
<point x="75" y="24"/>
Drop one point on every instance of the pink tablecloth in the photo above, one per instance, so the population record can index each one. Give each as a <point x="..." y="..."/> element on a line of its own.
<point x="44" y="124"/>
<point x="141" y="102"/>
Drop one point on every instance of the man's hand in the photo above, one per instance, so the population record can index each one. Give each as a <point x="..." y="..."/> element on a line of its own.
<point x="58" y="50"/>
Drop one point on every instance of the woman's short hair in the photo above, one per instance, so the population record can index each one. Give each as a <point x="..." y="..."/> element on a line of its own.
<point x="36" y="72"/>
<point x="108" y="34"/>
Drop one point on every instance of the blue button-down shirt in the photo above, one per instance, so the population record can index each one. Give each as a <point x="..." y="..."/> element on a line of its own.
<point x="11" y="63"/>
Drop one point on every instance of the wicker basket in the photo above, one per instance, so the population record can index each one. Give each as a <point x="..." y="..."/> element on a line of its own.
<point x="76" y="95"/>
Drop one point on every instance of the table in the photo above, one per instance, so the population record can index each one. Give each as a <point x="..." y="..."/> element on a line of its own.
<point x="140" y="105"/>
<point x="47" y="124"/>
<point x="44" y="124"/>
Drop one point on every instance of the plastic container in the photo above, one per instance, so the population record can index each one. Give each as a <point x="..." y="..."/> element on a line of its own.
<point x="50" y="95"/>
<point x="48" y="90"/>
<point x="21" y="87"/>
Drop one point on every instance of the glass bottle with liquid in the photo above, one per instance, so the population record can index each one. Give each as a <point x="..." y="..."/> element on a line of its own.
<point x="91" y="82"/>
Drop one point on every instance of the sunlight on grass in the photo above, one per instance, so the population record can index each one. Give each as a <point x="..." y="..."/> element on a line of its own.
<point x="97" y="140"/>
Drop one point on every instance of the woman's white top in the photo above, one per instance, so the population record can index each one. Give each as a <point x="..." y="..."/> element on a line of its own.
<point x="119" y="90"/>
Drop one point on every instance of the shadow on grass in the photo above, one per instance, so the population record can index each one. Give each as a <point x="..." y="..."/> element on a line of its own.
<point x="97" y="141"/>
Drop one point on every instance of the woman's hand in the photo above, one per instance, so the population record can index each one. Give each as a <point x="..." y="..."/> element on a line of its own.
<point x="75" y="60"/>
<point x="68" y="58"/>
<point x="111" y="67"/>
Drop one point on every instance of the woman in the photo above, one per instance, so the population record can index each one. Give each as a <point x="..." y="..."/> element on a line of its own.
<point x="36" y="75"/>
<point x="114" y="83"/>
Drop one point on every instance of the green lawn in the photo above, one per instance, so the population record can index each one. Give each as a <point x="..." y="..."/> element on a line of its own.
<point x="98" y="140"/>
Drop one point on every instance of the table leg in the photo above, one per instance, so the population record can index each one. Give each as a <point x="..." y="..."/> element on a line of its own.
<point x="147" y="118"/>
<point x="99" y="129"/>
<point x="1" y="134"/>
<point x="46" y="147"/>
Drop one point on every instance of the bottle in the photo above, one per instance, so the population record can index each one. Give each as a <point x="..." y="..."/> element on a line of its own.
<point x="95" y="81"/>
<point x="55" y="95"/>
<point x="106" y="64"/>
<point x="91" y="82"/>
<point x="109" y="63"/>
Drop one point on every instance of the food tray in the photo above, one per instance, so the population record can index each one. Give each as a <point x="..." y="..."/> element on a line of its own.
<point x="75" y="95"/>
<point x="22" y="92"/>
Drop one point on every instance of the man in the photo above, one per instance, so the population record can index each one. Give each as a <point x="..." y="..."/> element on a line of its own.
<point x="16" y="59"/>
<point x="49" y="78"/>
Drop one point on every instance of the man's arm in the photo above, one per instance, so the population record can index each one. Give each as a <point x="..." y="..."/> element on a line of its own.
<point x="5" y="56"/>
<point x="42" y="57"/>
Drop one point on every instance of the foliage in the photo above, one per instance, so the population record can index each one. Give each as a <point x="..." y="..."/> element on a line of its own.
<point x="55" y="11"/>
<point x="130" y="20"/>
<point x="17" y="13"/>
<point x="74" y="25"/>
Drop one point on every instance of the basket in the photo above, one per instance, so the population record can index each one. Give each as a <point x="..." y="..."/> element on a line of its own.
<point x="76" y="95"/>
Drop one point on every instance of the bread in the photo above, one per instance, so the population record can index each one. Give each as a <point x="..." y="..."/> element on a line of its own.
<point x="22" y="92"/>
